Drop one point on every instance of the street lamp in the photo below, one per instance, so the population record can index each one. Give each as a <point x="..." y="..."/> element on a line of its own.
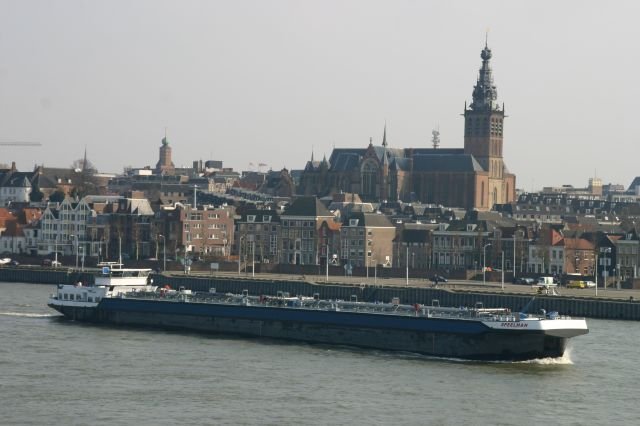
<point x="406" y="261"/>
<point x="375" y="271"/>
<point x="596" y="274"/>
<point x="164" y="252"/>
<point x="484" y="262"/>
<point x="77" y="246"/>
<point x="326" y="256"/>
<point x="366" y="265"/>
<point x="239" y="252"/>
<point x="55" y="248"/>
<point x="606" y="269"/>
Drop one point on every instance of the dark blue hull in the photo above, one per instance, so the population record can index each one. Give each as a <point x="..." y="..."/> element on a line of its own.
<point x="456" y="338"/>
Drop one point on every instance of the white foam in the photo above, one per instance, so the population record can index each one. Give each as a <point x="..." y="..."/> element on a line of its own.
<point x="563" y="360"/>
<point x="27" y="315"/>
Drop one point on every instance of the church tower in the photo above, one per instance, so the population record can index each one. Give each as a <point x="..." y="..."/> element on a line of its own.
<point x="483" y="131"/>
<point x="165" y="165"/>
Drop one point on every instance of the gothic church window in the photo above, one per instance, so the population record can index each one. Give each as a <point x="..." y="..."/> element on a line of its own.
<point x="369" y="179"/>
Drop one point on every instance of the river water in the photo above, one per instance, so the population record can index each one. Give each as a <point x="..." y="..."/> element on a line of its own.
<point x="55" y="371"/>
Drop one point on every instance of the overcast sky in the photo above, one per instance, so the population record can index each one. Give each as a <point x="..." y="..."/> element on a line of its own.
<point x="265" y="81"/>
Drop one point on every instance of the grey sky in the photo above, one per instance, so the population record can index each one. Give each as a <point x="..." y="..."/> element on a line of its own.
<point x="264" y="81"/>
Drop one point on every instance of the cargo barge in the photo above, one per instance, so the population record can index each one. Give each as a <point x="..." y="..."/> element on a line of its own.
<point x="475" y="333"/>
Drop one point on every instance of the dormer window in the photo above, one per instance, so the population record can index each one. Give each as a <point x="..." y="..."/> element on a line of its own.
<point x="353" y="222"/>
<point x="266" y="218"/>
<point x="251" y="218"/>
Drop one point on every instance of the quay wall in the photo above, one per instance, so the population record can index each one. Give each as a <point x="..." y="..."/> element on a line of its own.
<point x="575" y="306"/>
<point x="44" y="275"/>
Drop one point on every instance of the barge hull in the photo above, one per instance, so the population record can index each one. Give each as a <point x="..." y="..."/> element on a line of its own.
<point x="429" y="336"/>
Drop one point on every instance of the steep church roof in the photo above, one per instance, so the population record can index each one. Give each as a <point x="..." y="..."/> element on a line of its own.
<point x="446" y="163"/>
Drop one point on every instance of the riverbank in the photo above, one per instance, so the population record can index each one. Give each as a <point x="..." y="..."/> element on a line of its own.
<point x="609" y="304"/>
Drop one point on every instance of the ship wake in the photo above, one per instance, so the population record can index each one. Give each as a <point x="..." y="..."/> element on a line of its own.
<point x="563" y="360"/>
<point x="27" y="315"/>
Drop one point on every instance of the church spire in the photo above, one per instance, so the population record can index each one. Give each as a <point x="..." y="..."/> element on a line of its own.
<point x="485" y="93"/>
<point x="384" y="135"/>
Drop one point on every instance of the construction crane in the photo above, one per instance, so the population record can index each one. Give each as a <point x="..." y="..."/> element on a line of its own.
<point x="20" y="144"/>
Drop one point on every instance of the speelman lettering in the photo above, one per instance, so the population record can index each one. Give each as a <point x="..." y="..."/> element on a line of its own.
<point x="519" y="324"/>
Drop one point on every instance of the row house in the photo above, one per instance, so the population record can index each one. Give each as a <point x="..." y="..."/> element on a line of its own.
<point x="329" y="242"/>
<point x="627" y="249"/>
<point x="14" y="188"/>
<point x="413" y="246"/>
<point x="579" y="255"/>
<point x="300" y="225"/>
<point x="202" y="231"/>
<point x="258" y="234"/>
<point x="509" y="245"/>
<point x="614" y="255"/>
<point x="63" y="227"/>
<point x="119" y="227"/>
<point x="129" y="225"/>
<point x="12" y="239"/>
<point x="546" y="253"/>
<point x="167" y="231"/>
<point x="367" y="240"/>
<point x="19" y="230"/>
<point x="458" y="245"/>
<point x="207" y="230"/>
<point x="535" y="212"/>
<point x="609" y="257"/>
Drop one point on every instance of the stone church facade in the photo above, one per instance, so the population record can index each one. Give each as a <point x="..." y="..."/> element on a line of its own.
<point x="473" y="177"/>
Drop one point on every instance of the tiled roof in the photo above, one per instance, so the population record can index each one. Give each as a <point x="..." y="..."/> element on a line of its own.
<point x="415" y="235"/>
<point x="369" y="219"/>
<point x="307" y="206"/>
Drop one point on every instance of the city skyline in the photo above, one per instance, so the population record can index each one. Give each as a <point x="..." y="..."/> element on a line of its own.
<point x="270" y="82"/>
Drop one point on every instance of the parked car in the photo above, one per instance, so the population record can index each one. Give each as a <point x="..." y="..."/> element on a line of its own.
<point x="438" y="279"/>
<point x="525" y="280"/>
<point x="14" y="263"/>
<point x="577" y="284"/>
<point x="589" y="284"/>
<point x="51" y="262"/>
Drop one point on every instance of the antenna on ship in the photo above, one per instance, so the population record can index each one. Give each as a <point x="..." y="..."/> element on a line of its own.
<point x="528" y="305"/>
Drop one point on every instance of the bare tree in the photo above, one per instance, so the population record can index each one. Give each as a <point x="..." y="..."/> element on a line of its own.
<point x="84" y="172"/>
